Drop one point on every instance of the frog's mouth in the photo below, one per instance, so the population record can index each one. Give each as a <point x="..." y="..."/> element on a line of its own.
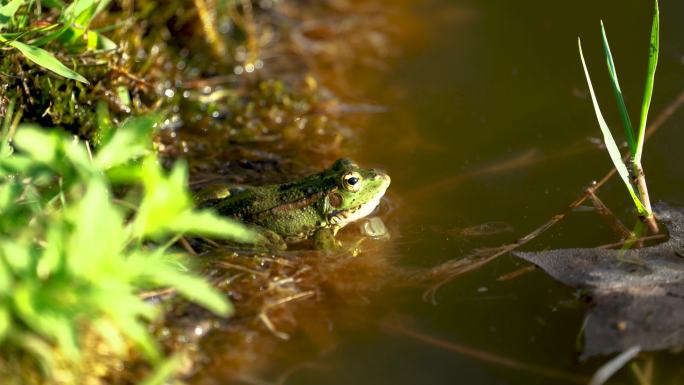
<point x="342" y="218"/>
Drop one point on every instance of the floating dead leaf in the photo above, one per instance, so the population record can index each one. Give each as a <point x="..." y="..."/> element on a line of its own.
<point x="638" y="295"/>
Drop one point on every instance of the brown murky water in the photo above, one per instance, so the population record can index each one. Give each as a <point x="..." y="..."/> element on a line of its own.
<point x="487" y="131"/>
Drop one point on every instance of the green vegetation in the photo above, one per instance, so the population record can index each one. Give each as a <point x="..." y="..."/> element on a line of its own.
<point x="73" y="259"/>
<point x="632" y="174"/>
<point x="90" y="220"/>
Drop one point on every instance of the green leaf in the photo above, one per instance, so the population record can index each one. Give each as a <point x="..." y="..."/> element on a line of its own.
<point x="165" y="370"/>
<point x="9" y="192"/>
<point x="77" y="17"/>
<point x="108" y="331"/>
<point x="104" y="43"/>
<point x="130" y="141"/>
<point x="78" y="9"/>
<point x="626" y="122"/>
<point x="38" y="348"/>
<point x="51" y="36"/>
<point x="63" y="330"/>
<point x="15" y="164"/>
<point x="208" y="223"/>
<point x="39" y="144"/>
<point x="35" y="305"/>
<point x="17" y="256"/>
<point x="94" y="241"/>
<point x="138" y="333"/>
<point x="193" y="288"/>
<point x="7" y="12"/>
<point x="650" y="78"/>
<point x="5" y="322"/>
<point x="5" y="278"/>
<point x="78" y="24"/>
<point x="78" y="157"/>
<point x="165" y="198"/>
<point x="46" y="60"/>
<point x="611" y="146"/>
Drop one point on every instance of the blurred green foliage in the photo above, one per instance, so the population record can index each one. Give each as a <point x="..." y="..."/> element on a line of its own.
<point x="74" y="257"/>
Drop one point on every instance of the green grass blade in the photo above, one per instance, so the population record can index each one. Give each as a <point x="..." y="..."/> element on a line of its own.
<point x="50" y="37"/>
<point x="611" y="146"/>
<point x="7" y="12"/>
<point x="46" y="60"/>
<point x="650" y="77"/>
<point x="626" y="122"/>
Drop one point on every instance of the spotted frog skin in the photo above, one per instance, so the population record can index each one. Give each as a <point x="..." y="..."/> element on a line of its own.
<point x="314" y="207"/>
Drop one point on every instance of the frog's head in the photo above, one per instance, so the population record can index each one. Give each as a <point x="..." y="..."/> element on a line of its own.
<point x="357" y="194"/>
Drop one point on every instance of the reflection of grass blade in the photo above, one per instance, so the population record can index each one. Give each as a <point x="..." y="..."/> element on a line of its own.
<point x="626" y="123"/>
<point x="650" y="75"/>
<point x="611" y="146"/>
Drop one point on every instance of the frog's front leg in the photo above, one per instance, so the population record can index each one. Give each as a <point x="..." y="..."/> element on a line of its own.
<point x="324" y="239"/>
<point x="267" y="239"/>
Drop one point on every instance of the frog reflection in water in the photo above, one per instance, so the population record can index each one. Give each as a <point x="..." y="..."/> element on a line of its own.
<point x="314" y="207"/>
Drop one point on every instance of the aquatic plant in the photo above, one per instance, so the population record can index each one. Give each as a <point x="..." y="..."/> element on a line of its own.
<point x="632" y="173"/>
<point x="81" y="235"/>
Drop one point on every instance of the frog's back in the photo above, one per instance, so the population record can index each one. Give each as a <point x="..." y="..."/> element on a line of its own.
<point x="245" y="203"/>
<point x="253" y="202"/>
<point x="292" y="210"/>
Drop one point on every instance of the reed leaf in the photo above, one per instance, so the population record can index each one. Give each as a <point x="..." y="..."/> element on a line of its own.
<point x="626" y="122"/>
<point x="650" y="77"/>
<point x="611" y="146"/>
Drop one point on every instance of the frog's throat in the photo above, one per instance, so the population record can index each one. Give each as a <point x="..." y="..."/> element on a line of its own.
<point x="342" y="218"/>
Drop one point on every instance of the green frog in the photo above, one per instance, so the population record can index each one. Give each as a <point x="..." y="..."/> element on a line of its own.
<point x="314" y="207"/>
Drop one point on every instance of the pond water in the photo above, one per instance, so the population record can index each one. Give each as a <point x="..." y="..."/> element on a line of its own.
<point x="488" y="132"/>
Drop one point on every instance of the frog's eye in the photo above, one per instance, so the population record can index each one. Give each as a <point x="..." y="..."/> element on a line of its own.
<point x="351" y="181"/>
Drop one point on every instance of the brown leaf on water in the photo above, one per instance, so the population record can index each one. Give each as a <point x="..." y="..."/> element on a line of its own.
<point x="638" y="295"/>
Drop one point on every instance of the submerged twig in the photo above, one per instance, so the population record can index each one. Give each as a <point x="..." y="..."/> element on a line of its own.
<point x="630" y="241"/>
<point x="516" y="273"/>
<point x="525" y="159"/>
<point x="157" y="293"/>
<point x="263" y="317"/>
<point x="505" y="249"/>
<point x="263" y="314"/>
<point x="186" y="245"/>
<point x="229" y="265"/>
<point x="613" y="221"/>
<point x="285" y="376"/>
<point x="485" y="356"/>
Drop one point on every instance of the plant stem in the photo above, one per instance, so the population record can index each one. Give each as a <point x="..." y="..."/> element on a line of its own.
<point x="640" y="182"/>
<point x="207" y="16"/>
